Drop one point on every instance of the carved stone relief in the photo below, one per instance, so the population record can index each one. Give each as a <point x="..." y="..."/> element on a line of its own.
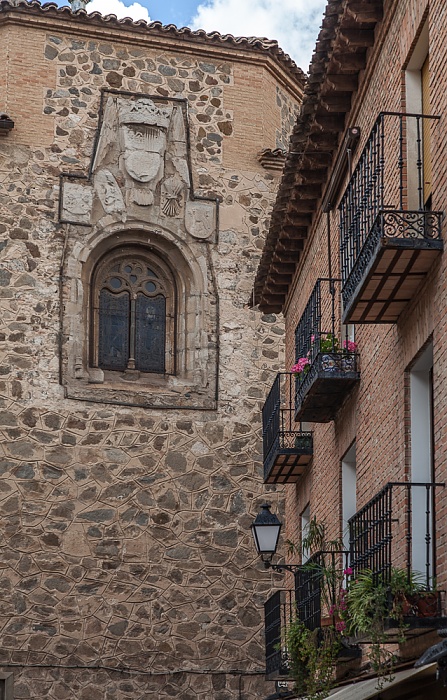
<point x="76" y="202"/>
<point x="200" y="219"/>
<point x="140" y="193"/>
<point x="108" y="191"/>
<point x="171" y="196"/>
<point x="140" y="171"/>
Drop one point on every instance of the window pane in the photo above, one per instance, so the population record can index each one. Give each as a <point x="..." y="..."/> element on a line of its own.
<point x="113" y="351"/>
<point x="150" y="333"/>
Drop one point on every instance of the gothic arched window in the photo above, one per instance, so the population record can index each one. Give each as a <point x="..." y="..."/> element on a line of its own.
<point x="133" y="313"/>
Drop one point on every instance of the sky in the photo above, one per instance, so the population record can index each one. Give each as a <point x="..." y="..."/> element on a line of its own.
<point x="293" y="23"/>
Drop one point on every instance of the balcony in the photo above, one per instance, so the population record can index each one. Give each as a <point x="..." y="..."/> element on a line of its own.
<point x="393" y="535"/>
<point x="389" y="238"/>
<point x="315" y="590"/>
<point x="330" y="365"/>
<point x="287" y="449"/>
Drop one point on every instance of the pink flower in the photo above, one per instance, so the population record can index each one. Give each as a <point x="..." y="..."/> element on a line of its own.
<point x="300" y="365"/>
<point x="312" y="338"/>
<point x="350" y="346"/>
<point x="340" y="626"/>
<point x="347" y="571"/>
<point x="332" y="609"/>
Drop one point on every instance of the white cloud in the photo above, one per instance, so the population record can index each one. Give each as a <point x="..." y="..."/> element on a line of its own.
<point x="293" y="23"/>
<point x="118" y="8"/>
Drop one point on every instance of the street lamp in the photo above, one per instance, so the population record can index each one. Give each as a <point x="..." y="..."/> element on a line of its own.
<point x="266" y="528"/>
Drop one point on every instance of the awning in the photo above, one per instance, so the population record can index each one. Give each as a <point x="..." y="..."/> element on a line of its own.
<point x="367" y="690"/>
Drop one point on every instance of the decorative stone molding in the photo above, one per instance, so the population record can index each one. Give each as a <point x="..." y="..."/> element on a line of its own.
<point x="272" y="159"/>
<point x="139" y="194"/>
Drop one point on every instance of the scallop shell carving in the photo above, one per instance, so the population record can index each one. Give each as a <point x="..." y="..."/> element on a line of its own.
<point x="172" y="193"/>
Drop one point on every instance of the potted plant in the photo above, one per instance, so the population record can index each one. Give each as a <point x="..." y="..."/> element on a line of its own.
<point x="411" y="596"/>
<point x="367" y="607"/>
<point x="312" y="655"/>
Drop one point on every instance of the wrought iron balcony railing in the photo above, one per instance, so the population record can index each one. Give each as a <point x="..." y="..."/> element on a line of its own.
<point x="329" y="363"/>
<point x="396" y="530"/>
<point x="316" y="586"/>
<point x="287" y="448"/>
<point x="314" y="595"/>
<point x="279" y="612"/>
<point x="388" y="235"/>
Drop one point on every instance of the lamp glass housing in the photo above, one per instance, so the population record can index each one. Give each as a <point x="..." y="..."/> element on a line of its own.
<point x="266" y="528"/>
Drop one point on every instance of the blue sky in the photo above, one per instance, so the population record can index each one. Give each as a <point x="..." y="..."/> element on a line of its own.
<point x="293" y="23"/>
<point x="179" y="12"/>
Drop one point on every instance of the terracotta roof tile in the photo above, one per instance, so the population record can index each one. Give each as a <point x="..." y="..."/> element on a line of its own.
<point x="158" y="29"/>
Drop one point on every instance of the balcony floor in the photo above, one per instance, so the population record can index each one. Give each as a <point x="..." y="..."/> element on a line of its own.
<point x="411" y="627"/>
<point x="286" y="465"/>
<point x="382" y="288"/>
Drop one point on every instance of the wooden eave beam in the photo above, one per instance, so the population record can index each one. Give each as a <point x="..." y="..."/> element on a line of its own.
<point x="275" y="289"/>
<point x="314" y="175"/>
<point x="344" y="82"/>
<point x="324" y="141"/>
<point x="291" y="244"/>
<point x="357" y="38"/>
<point x="303" y="206"/>
<point x="283" y="280"/>
<point x="337" y="101"/>
<point x="307" y="191"/>
<point x="330" y="123"/>
<point x="284" y="268"/>
<point x="342" y="62"/>
<point x="294" y="233"/>
<point x="314" y="159"/>
<point x="365" y="14"/>
<point x="268" y="308"/>
<point x="283" y="261"/>
<point x="302" y="222"/>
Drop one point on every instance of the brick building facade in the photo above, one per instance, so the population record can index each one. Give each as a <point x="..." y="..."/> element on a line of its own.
<point x="354" y="261"/>
<point x="136" y="186"/>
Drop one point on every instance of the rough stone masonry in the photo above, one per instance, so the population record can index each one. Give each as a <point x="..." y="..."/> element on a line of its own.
<point x="127" y="569"/>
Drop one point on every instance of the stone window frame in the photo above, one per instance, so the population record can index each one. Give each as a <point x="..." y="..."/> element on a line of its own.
<point x="193" y="385"/>
<point x="165" y="286"/>
<point x="6" y="685"/>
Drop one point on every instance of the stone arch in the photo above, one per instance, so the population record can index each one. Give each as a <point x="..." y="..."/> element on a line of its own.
<point x="193" y="370"/>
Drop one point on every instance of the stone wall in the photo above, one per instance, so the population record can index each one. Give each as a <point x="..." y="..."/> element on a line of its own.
<point x="125" y="531"/>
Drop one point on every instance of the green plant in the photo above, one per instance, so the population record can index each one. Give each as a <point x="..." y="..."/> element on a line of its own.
<point x="405" y="582"/>
<point x="315" y="539"/>
<point x="312" y="655"/>
<point x="367" y="608"/>
<point x="330" y="343"/>
<point x="322" y="561"/>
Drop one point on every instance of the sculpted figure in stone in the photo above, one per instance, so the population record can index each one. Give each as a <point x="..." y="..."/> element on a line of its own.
<point x="109" y="192"/>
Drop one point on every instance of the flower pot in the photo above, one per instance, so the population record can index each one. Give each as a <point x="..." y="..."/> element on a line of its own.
<point x="330" y="621"/>
<point x="427" y="604"/>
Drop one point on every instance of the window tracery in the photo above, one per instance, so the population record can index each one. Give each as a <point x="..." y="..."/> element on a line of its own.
<point x="133" y="325"/>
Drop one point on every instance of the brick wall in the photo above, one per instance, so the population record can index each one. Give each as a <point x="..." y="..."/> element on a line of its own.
<point x="375" y="413"/>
